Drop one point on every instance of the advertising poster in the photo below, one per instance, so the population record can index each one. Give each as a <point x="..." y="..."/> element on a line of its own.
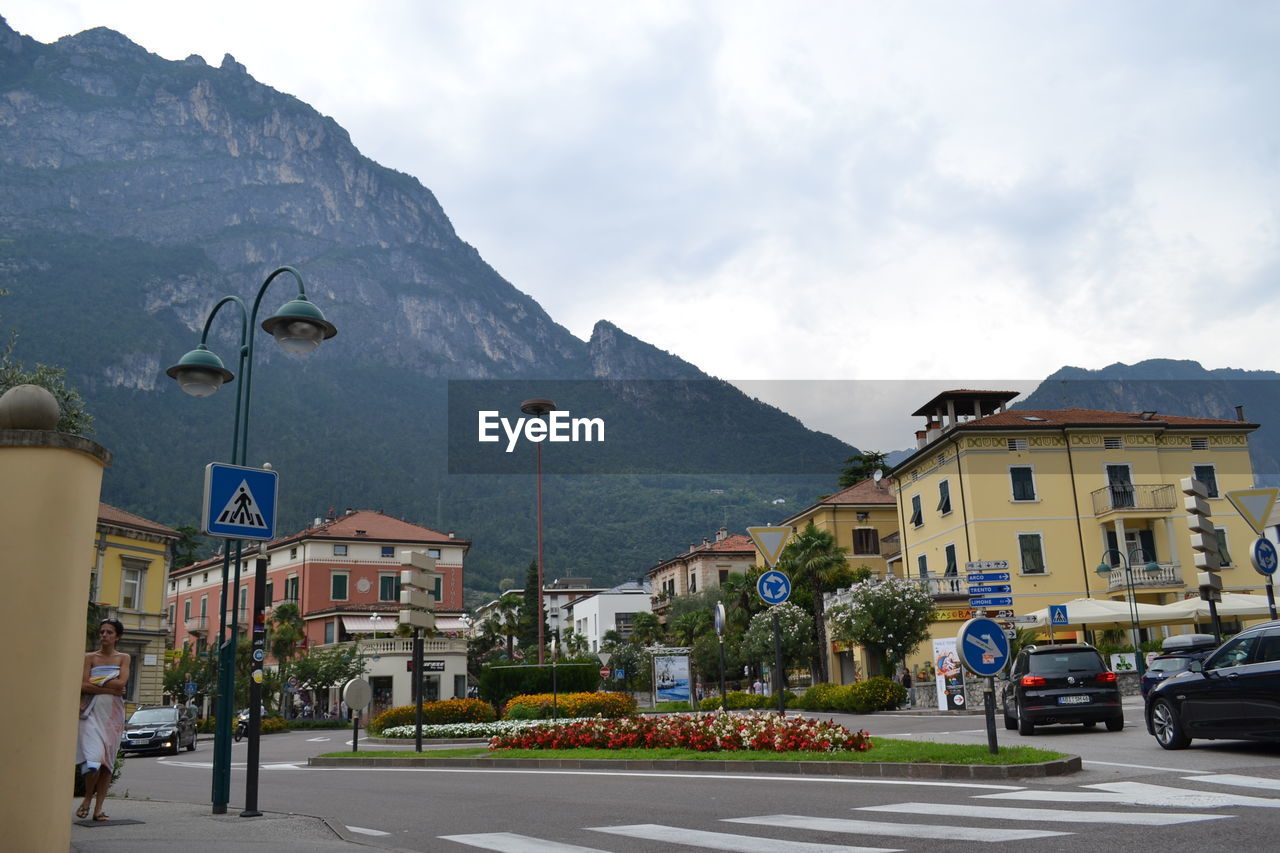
<point x="949" y="678"/>
<point x="671" y="677"/>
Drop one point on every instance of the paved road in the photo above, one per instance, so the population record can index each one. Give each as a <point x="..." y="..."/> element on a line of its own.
<point x="1130" y="796"/>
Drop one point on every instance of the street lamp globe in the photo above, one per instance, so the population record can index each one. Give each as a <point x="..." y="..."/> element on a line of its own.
<point x="200" y="372"/>
<point x="299" y="326"/>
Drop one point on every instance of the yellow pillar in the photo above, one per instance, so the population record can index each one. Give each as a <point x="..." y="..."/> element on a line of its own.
<point x="50" y="484"/>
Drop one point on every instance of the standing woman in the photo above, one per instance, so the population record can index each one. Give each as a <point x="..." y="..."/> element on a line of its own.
<point x="106" y="672"/>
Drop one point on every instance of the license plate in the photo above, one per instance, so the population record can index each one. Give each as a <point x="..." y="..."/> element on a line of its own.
<point x="137" y="743"/>
<point x="1073" y="700"/>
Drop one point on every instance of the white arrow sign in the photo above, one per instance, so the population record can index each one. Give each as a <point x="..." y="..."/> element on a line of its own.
<point x="985" y="643"/>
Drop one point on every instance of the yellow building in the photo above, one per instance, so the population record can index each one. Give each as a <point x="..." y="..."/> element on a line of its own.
<point x="131" y="561"/>
<point x="1057" y="492"/>
<point x="863" y="519"/>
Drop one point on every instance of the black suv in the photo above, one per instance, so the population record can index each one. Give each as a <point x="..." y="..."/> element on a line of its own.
<point x="1233" y="693"/>
<point x="162" y="727"/>
<point x="1061" y="684"/>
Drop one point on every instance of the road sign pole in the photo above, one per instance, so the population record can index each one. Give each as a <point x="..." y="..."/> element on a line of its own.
<point x="778" y="680"/>
<point x="255" y="687"/>
<point x="1271" y="595"/>
<point x="989" y="705"/>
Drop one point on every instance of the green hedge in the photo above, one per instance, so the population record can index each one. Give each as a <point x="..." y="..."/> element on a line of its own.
<point x="738" y="701"/>
<point x="499" y="683"/>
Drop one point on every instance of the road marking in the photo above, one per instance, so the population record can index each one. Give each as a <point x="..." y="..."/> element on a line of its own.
<point x="280" y="767"/>
<point x="318" y="739"/>
<point x="1141" y="794"/>
<point x="510" y="842"/>
<point x="1242" y="781"/>
<point x="728" y="841"/>
<point x="650" y="774"/>
<point x="363" y="831"/>
<point x="915" y="830"/>
<point x="1042" y="815"/>
<point x="1141" y="766"/>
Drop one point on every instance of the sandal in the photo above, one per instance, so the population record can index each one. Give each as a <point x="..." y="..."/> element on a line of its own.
<point x="101" y="816"/>
<point x="82" y="812"/>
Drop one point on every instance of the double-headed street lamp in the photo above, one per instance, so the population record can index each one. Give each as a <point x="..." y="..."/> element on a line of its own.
<point x="1105" y="568"/>
<point x="299" y="327"/>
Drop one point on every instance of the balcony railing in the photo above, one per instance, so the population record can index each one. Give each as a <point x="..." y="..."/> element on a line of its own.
<point x="946" y="586"/>
<point x="1134" y="498"/>
<point x="197" y="625"/>
<point x="1170" y="574"/>
<point x="404" y="645"/>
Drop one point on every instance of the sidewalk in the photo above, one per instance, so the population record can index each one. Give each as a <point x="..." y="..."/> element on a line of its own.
<point x="150" y="826"/>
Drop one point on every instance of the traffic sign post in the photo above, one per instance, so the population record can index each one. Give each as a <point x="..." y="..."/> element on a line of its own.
<point x="984" y="651"/>
<point x="774" y="588"/>
<point x="1265" y="560"/>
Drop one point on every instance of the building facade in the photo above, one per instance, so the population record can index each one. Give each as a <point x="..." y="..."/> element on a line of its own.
<point x="131" y="560"/>
<point x="700" y="568"/>
<point x="343" y="573"/>
<point x="1055" y="493"/>
<point x="610" y="610"/>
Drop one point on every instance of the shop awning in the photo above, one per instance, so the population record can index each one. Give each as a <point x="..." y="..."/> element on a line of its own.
<point x="367" y="625"/>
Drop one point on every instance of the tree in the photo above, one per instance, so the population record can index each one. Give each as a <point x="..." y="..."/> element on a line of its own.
<point x="890" y="618"/>
<point x="286" y="629"/>
<point x="530" y="612"/>
<point x="317" y="670"/>
<point x="860" y="466"/>
<point x="689" y="626"/>
<point x="817" y="564"/>
<point x="188" y="547"/>
<point x="574" y="645"/>
<point x="188" y="668"/>
<point x="73" y="417"/>
<point x="646" y="630"/>
<point x="797" y="635"/>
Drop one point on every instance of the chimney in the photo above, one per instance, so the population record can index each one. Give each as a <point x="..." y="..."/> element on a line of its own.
<point x="450" y="534"/>
<point x="722" y="534"/>
<point x="705" y="541"/>
<point x="921" y="438"/>
<point x="331" y="516"/>
<point x="1240" y="413"/>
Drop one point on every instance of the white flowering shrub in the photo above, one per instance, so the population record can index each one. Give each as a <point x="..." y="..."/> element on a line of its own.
<point x="890" y="617"/>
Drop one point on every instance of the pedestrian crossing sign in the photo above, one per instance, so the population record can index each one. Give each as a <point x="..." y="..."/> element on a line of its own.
<point x="239" y="502"/>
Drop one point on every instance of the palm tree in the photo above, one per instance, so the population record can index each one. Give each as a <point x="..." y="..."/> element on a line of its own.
<point x="646" y="630"/>
<point x="814" y="561"/>
<point x="507" y="615"/>
<point x="287" y="629"/>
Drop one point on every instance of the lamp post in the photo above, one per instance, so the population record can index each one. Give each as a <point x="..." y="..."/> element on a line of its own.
<point x="1104" y="568"/>
<point x="299" y="327"/>
<point x="539" y="406"/>
<point x="720" y="639"/>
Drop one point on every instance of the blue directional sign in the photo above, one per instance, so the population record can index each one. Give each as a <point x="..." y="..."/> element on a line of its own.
<point x="987" y="577"/>
<point x="239" y="502"/>
<point x="983" y="647"/>
<point x="774" y="587"/>
<point x="990" y="589"/>
<point x="992" y="601"/>
<point x="1058" y="614"/>
<point x="1263" y="555"/>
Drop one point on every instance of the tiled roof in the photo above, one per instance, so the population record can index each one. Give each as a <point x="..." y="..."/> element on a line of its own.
<point x="109" y="514"/>
<point x="1058" y="418"/>
<point x="736" y="543"/>
<point x="370" y="524"/>
<point x="865" y="491"/>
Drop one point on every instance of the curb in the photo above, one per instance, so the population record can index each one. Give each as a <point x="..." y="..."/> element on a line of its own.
<point x="855" y="769"/>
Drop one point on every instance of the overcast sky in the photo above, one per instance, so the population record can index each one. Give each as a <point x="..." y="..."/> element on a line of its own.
<point x="952" y="192"/>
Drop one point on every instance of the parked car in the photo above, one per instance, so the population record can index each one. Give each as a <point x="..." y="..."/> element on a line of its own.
<point x="1234" y="693"/>
<point x="160" y="727"/>
<point x="1176" y="654"/>
<point x="1061" y="684"/>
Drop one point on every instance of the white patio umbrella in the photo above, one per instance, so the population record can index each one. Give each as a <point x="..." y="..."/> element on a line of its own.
<point x="1232" y="604"/>
<point x="1102" y="613"/>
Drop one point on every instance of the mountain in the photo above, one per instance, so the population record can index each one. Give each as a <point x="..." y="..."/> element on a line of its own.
<point x="135" y="192"/>
<point x="1176" y="387"/>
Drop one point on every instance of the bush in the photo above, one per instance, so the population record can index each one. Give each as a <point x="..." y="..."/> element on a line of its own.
<point x="272" y="725"/>
<point x="308" y="723"/>
<point x="826" y="697"/>
<point x="499" y="684"/>
<point x="436" y="713"/>
<point x="538" y="706"/>
<point x="877" y="694"/>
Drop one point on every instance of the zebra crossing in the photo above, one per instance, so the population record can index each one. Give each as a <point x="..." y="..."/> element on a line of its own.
<point x="1073" y="812"/>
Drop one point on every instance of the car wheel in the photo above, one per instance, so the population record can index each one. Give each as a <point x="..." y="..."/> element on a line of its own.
<point x="191" y="747"/>
<point x="1167" y="727"/>
<point x="177" y="745"/>
<point x="1025" y="726"/>
<point x="1115" y="724"/>
<point x="1010" y="722"/>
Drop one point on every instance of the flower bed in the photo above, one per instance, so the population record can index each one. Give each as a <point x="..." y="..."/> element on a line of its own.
<point x="702" y="732"/>
<point x="464" y="730"/>
<point x="536" y="706"/>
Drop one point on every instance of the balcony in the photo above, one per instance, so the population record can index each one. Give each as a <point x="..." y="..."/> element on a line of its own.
<point x="404" y="646"/>
<point x="197" y="625"/>
<point x="1128" y="498"/>
<point x="945" y="587"/>
<point x="1170" y="575"/>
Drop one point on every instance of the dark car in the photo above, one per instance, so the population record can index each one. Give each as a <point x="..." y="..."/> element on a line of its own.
<point x="1176" y="654"/>
<point x="167" y="728"/>
<point x="1061" y="684"/>
<point x="1233" y="693"/>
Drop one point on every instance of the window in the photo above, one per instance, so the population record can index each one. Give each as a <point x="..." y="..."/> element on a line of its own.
<point x="437" y="590"/>
<point x="1113" y="442"/>
<point x="291" y="588"/>
<point x="244" y="598"/>
<point x="186" y="612"/>
<point x="388" y="550"/>
<point x="433" y="553"/>
<point x="388" y="587"/>
<point x="723" y="575"/>
<point x="1017" y="444"/>
<point x="922" y="563"/>
<point x="1224" y="556"/>
<point x="1199" y="444"/>
<point x="1208" y="475"/>
<point x="1120" y="485"/>
<point x="328" y="631"/>
<point x="205" y="579"/>
<point x="944" y="497"/>
<point x="188" y="581"/>
<point x="172" y="608"/>
<point x="916" y="519"/>
<point x="1031" y="550"/>
<point x="131" y="589"/>
<point x="204" y="606"/>
<point x="693" y="581"/>
<point x="951" y="560"/>
<point x="1024" y="486"/>
<point x="339" y="550"/>
<point x="338" y="586"/>
<point x="866" y="540"/>
<point x="293" y="553"/>
<point x="267" y="595"/>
